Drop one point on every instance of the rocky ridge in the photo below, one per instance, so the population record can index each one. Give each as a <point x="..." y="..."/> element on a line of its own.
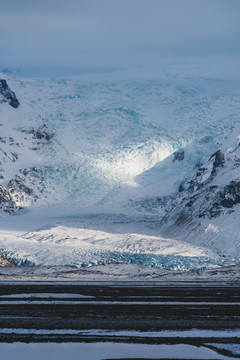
<point x="7" y="95"/>
<point x="214" y="191"/>
<point x="23" y="186"/>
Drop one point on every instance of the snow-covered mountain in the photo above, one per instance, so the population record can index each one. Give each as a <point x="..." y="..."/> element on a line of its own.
<point x="20" y="180"/>
<point x="207" y="209"/>
<point x="134" y="170"/>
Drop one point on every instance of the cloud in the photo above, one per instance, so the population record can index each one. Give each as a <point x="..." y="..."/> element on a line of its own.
<point x="115" y="32"/>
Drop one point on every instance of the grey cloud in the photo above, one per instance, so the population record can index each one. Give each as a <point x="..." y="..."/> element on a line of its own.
<point x="115" y="32"/>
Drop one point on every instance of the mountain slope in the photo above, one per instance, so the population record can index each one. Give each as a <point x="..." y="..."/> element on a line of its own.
<point x="162" y="152"/>
<point x="21" y="180"/>
<point x="207" y="211"/>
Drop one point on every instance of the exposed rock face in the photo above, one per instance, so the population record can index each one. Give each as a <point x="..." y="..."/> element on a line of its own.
<point x="4" y="261"/>
<point x="219" y="160"/>
<point x="7" y="205"/>
<point x="26" y="187"/>
<point x="8" y="95"/>
<point x="178" y="155"/>
<point x="41" y="135"/>
<point x="231" y="194"/>
<point x="211" y="193"/>
<point x="22" y="191"/>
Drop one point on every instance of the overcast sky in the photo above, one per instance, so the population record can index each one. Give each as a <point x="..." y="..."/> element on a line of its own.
<point x="110" y="33"/>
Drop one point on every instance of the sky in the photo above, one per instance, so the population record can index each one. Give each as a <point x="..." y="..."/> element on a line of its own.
<point x="115" y="33"/>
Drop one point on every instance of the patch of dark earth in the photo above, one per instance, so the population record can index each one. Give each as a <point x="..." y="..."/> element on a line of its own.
<point x="120" y="306"/>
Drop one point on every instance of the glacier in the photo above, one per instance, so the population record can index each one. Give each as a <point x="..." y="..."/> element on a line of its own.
<point x="99" y="168"/>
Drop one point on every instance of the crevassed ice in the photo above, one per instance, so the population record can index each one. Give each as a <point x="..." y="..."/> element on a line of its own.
<point x="123" y="133"/>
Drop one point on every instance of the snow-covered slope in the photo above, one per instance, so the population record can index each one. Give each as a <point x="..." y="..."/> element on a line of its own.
<point x="20" y="180"/>
<point x="208" y="208"/>
<point x="99" y="149"/>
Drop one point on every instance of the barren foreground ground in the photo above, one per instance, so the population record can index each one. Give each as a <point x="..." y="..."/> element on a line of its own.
<point x="205" y="315"/>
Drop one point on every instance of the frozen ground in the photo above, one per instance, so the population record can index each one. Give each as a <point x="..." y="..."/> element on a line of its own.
<point x="100" y="182"/>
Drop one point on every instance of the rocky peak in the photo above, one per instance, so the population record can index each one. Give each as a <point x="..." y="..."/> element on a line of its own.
<point x="8" y="95"/>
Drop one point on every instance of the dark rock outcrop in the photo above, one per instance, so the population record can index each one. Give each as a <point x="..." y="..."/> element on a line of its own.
<point x="212" y="200"/>
<point x="25" y="187"/>
<point x="181" y="187"/>
<point x="7" y="205"/>
<point x="214" y="191"/>
<point x="204" y="175"/>
<point x="4" y="261"/>
<point x="41" y="134"/>
<point x="230" y="194"/>
<point x="21" y="191"/>
<point x="218" y="161"/>
<point x="179" y="155"/>
<point x="8" y="95"/>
